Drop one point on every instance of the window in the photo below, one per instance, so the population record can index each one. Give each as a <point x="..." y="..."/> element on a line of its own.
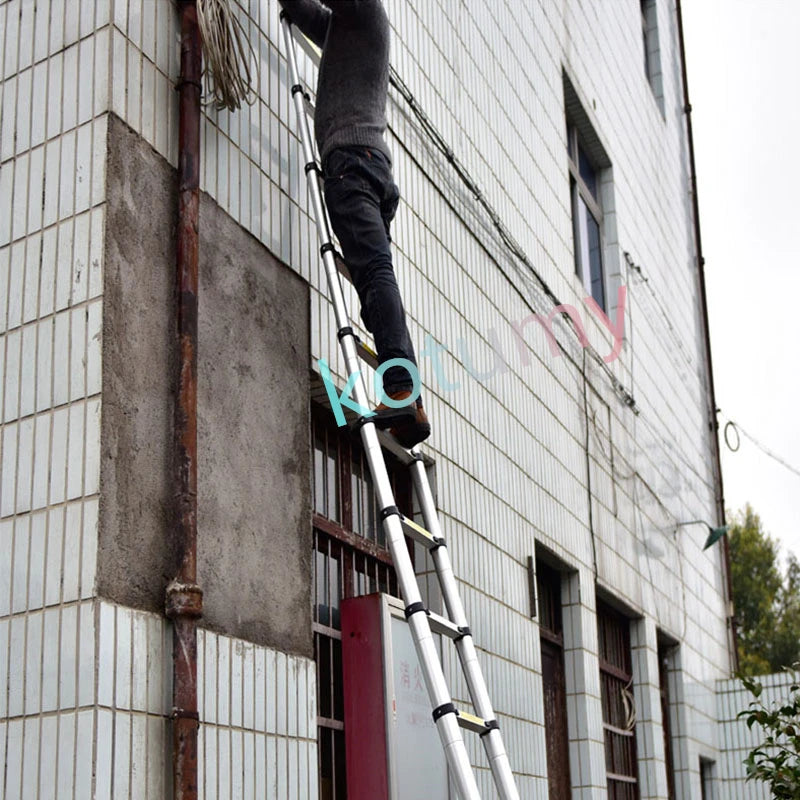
<point x="587" y="217"/>
<point x="652" y="51"/>
<point x="619" y="714"/>
<point x="665" y="651"/>
<point x="551" y="634"/>
<point x="707" y="770"/>
<point x="644" y="6"/>
<point x="350" y="559"/>
<point x="591" y="198"/>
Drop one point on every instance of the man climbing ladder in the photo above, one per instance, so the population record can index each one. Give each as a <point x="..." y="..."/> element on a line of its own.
<point x="422" y="622"/>
<point x="361" y="195"/>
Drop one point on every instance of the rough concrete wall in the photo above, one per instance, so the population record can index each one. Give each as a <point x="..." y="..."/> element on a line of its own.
<point x="254" y="528"/>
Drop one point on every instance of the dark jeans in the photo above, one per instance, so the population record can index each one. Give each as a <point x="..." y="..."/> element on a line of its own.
<point x="362" y="200"/>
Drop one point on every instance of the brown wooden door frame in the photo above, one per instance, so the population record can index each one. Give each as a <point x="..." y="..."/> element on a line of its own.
<point x="555" y="719"/>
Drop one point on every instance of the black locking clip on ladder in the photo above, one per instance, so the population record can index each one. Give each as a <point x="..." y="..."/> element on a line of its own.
<point x="422" y="622"/>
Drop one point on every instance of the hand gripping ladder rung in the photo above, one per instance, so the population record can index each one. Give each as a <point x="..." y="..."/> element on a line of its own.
<point x="422" y="623"/>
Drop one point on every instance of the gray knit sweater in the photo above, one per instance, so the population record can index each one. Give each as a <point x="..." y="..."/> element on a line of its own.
<point x="354" y="71"/>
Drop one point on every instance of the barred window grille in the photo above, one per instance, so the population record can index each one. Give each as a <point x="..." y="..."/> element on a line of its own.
<point x="619" y="712"/>
<point x="350" y="559"/>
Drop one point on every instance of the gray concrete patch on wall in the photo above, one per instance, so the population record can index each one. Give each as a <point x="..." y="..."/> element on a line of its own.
<point x="254" y="501"/>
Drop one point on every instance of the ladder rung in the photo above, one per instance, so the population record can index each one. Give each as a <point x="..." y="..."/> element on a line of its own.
<point x="388" y="442"/>
<point x="440" y="624"/>
<point x="306" y="45"/>
<point x="367" y="353"/>
<point x="469" y="722"/>
<point x="341" y="265"/>
<point x="440" y="696"/>
<point x="419" y="534"/>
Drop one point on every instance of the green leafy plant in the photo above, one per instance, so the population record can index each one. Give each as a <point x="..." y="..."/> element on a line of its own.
<point x="776" y="761"/>
<point x="766" y="598"/>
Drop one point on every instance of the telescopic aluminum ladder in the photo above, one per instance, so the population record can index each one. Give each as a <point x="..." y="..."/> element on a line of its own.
<point x="422" y="622"/>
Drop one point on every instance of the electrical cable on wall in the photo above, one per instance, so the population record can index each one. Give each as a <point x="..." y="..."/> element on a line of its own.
<point x="668" y="444"/>
<point x="517" y="251"/>
<point x="572" y="355"/>
<point x="632" y="474"/>
<point x="731" y="433"/>
<point x="227" y="60"/>
<point x="440" y="145"/>
<point x="633" y="267"/>
<point x="505" y="235"/>
<point x="496" y="225"/>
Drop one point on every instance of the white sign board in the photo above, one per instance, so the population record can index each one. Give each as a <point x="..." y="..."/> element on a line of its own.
<point x="420" y="768"/>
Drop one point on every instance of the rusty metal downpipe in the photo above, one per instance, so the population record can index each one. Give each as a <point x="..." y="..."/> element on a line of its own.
<point x="184" y="598"/>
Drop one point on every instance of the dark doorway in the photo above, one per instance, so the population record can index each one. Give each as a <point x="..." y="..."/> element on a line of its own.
<point x="665" y="659"/>
<point x="551" y="634"/>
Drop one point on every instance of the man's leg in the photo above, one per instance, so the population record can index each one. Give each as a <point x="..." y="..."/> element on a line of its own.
<point x="358" y="193"/>
<point x="362" y="199"/>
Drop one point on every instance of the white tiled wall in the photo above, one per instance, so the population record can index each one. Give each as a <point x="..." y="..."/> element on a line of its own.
<point x="53" y="97"/>
<point x="259" y="713"/>
<point x="510" y="450"/>
<point x="584" y="705"/>
<point x="89" y="693"/>
<point x="85" y="698"/>
<point x="737" y="739"/>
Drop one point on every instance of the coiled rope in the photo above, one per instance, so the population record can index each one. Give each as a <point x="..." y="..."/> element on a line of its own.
<point x="227" y="57"/>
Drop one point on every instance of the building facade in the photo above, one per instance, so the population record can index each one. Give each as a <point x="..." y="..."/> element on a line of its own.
<point x="569" y="446"/>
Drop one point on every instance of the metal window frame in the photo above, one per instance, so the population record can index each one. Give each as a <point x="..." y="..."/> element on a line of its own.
<point x="708" y="778"/>
<point x="651" y="39"/>
<point x="579" y="189"/>
<point x="606" y="611"/>
<point x="548" y="581"/>
<point x="646" y="41"/>
<point x="350" y="546"/>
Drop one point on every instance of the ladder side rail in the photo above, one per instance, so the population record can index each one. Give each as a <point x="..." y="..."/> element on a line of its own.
<point x="447" y="723"/>
<point x="465" y="646"/>
<point x="316" y="195"/>
<point x="433" y="674"/>
<point x="326" y="235"/>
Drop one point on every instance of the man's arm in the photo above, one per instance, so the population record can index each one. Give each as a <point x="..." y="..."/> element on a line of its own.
<point x="311" y="17"/>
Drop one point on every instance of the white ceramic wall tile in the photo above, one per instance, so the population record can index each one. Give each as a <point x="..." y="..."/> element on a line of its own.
<point x="50" y="365"/>
<point x="22" y="132"/>
<point x="509" y="449"/>
<point x="9" y="119"/>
